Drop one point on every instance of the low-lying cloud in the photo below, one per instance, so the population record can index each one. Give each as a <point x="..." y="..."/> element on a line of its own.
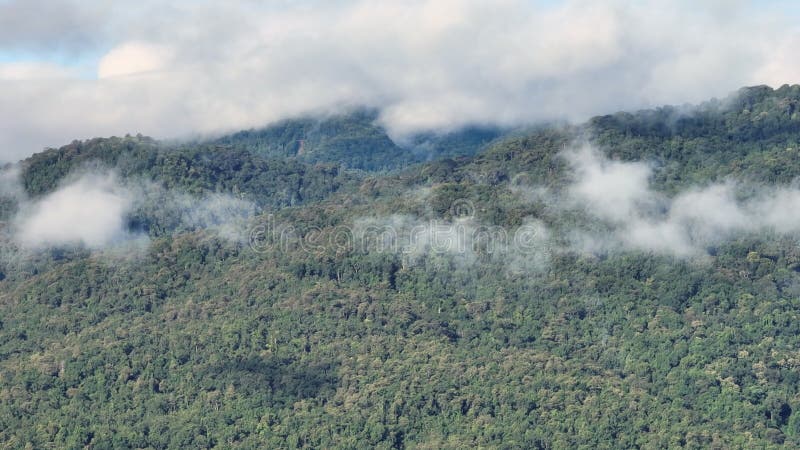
<point x="90" y="211"/>
<point x="463" y="240"/>
<point x="620" y="211"/>
<point x="223" y="214"/>
<point x="96" y="210"/>
<point x="206" y="67"/>
<point x="639" y="218"/>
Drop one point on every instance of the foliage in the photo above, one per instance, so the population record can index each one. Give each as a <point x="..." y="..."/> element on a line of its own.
<point x="205" y="343"/>
<point x="356" y="141"/>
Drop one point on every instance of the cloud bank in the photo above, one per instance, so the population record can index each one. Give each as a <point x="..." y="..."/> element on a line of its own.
<point x="85" y="68"/>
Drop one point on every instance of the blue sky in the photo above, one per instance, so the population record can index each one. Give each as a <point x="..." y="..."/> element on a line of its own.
<point x="84" y="63"/>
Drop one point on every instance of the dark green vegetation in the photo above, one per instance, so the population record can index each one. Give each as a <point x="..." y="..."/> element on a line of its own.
<point x="355" y="141"/>
<point x="202" y="343"/>
<point x="192" y="168"/>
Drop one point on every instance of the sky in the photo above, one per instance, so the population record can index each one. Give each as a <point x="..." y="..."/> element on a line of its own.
<point x="75" y="69"/>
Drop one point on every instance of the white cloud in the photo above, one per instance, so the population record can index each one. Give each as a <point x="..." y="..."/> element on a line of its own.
<point x="639" y="218"/>
<point x="133" y="58"/>
<point x="200" y="67"/>
<point x="615" y="189"/>
<point x="93" y="210"/>
<point x="711" y="212"/>
<point x="32" y="71"/>
<point x="89" y="211"/>
<point x="779" y="211"/>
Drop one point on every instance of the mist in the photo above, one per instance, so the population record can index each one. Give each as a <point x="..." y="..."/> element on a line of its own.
<point x="94" y="209"/>
<point x="464" y="241"/>
<point x="619" y="210"/>
<point x="89" y="211"/>
<point x="620" y="196"/>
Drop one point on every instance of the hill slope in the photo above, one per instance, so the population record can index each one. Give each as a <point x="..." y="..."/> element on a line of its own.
<point x="311" y="335"/>
<point x="356" y="141"/>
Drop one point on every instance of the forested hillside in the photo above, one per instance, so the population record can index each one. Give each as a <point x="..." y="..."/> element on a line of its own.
<point x="494" y="290"/>
<point x="356" y="141"/>
<point x="195" y="168"/>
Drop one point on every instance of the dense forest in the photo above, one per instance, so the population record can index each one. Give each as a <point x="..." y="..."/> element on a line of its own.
<point x="200" y="340"/>
<point x="354" y="140"/>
